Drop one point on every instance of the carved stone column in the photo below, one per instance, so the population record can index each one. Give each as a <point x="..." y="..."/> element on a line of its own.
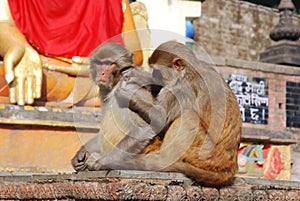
<point x="285" y="33"/>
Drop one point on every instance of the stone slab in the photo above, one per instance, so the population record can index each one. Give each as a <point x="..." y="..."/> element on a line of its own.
<point x="138" y="185"/>
<point x="284" y="53"/>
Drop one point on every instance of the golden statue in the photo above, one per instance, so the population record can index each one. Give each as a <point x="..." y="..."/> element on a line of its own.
<point x="27" y="76"/>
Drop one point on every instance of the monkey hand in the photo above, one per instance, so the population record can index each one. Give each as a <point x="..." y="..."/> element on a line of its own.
<point x="23" y="73"/>
<point x="130" y="97"/>
<point x="126" y="93"/>
<point x="79" y="161"/>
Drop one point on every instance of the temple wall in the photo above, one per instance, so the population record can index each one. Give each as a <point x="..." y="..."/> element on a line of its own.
<point x="268" y="96"/>
<point x="265" y="92"/>
<point x="236" y="29"/>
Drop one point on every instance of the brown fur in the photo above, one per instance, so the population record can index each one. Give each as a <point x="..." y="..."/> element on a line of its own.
<point x="203" y="127"/>
<point x="219" y="164"/>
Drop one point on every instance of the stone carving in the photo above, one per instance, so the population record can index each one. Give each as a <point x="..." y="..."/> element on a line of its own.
<point x="285" y="29"/>
<point x="285" y="33"/>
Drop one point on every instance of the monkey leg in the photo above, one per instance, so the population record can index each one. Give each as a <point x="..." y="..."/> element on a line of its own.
<point x="178" y="139"/>
<point x="140" y="101"/>
<point x="181" y="151"/>
<point x="128" y="148"/>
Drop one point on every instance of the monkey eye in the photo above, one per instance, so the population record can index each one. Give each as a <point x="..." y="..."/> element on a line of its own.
<point x="124" y="72"/>
<point x="125" y="76"/>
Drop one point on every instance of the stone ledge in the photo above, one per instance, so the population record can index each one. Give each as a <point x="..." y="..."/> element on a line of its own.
<point x="50" y="117"/>
<point x="264" y="136"/>
<point x="138" y="185"/>
<point x="256" y="66"/>
<point x="86" y="119"/>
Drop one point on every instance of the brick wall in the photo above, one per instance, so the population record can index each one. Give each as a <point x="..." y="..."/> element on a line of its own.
<point x="263" y="91"/>
<point x="240" y="30"/>
<point x="235" y="29"/>
<point x="272" y="114"/>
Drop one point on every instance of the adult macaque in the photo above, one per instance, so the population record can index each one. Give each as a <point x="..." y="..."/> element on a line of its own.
<point x="123" y="132"/>
<point x="201" y="127"/>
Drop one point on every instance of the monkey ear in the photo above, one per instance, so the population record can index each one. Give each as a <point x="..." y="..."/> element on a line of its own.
<point x="178" y="64"/>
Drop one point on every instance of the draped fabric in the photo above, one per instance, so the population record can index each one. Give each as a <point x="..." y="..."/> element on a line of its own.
<point x="67" y="27"/>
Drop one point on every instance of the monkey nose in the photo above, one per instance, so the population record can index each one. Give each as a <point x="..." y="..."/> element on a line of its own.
<point x="99" y="73"/>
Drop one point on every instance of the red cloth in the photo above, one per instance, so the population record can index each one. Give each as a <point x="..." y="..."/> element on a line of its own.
<point x="67" y="27"/>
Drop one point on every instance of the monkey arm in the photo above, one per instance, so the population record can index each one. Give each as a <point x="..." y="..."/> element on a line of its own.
<point x="154" y="115"/>
<point x="127" y="150"/>
<point x="148" y="122"/>
<point x="128" y="96"/>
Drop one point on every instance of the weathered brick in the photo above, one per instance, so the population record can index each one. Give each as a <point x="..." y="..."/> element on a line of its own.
<point x="237" y="25"/>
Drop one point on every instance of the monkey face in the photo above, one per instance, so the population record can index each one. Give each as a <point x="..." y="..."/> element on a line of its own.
<point x="103" y="72"/>
<point x="163" y="75"/>
<point x="107" y="62"/>
<point x="169" y="71"/>
<point x="166" y="59"/>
